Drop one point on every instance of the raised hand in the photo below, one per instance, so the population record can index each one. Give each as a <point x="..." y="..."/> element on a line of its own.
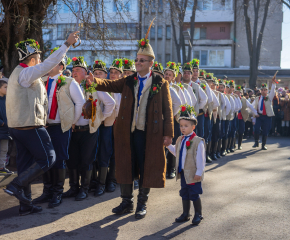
<point x="72" y="38"/>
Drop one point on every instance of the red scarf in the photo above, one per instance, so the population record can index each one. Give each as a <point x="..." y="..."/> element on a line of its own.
<point x="23" y="65"/>
<point x="54" y="106"/>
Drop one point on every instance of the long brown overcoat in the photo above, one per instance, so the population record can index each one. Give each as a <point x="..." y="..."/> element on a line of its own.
<point x="159" y="123"/>
<point x="285" y="105"/>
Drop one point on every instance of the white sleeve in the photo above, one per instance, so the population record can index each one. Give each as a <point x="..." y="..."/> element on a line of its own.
<point x="254" y="103"/>
<point x="78" y="99"/>
<point x="272" y="93"/>
<point x="232" y="104"/>
<point x="28" y="75"/>
<point x="253" y="110"/>
<point x="117" y="97"/>
<point x="187" y="96"/>
<point x="192" y="95"/>
<point x="215" y="101"/>
<point x="240" y="103"/>
<point x="228" y="105"/>
<point x="200" y="159"/>
<point x="182" y="97"/>
<point x="172" y="149"/>
<point x="209" y="94"/>
<point x="108" y="102"/>
<point x="176" y="102"/>
<point x="222" y="103"/>
<point x="236" y="104"/>
<point x="202" y="98"/>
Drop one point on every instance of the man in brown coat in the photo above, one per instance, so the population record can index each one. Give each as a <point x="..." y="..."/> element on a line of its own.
<point x="144" y="125"/>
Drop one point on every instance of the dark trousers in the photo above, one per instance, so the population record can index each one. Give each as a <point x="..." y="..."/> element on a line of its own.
<point x="207" y="129"/>
<point x="263" y="122"/>
<point x="227" y="129"/>
<point x="189" y="191"/>
<point x="82" y="150"/>
<point x="200" y="126"/>
<point x="105" y="145"/>
<point x="216" y="130"/>
<point x="223" y="130"/>
<point x="138" y="154"/>
<point x="60" y="141"/>
<point x="248" y="128"/>
<point x="233" y="128"/>
<point x="171" y="160"/>
<point x="241" y="129"/>
<point x="33" y="146"/>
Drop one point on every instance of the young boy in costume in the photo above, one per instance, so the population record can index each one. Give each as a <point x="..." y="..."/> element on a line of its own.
<point x="190" y="163"/>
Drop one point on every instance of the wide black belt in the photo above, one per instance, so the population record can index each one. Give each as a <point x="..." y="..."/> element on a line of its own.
<point x="81" y="128"/>
<point x="52" y="124"/>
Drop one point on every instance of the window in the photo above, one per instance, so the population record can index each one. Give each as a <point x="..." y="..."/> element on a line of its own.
<point x="153" y="6"/>
<point x="122" y="30"/>
<point x="146" y="6"/>
<point x="213" y="58"/>
<point x="203" y="58"/>
<point x="206" y="5"/>
<point x="121" y="6"/>
<point x="159" y="58"/>
<point x="196" y="33"/>
<point x="160" y="6"/>
<point x="218" y="5"/>
<point x="196" y="54"/>
<point x="152" y="33"/>
<point x="222" y="29"/>
<point x="168" y="32"/>
<point x="202" y="33"/>
<point x="47" y="34"/>
<point x="63" y="30"/>
<point x="167" y="57"/>
<point x="159" y="32"/>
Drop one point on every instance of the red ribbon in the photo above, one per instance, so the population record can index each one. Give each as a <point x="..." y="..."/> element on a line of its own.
<point x="23" y="65"/>
<point x="54" y="106"/>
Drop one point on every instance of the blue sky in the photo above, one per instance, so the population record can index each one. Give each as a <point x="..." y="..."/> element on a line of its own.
<point x="285" y="56"/>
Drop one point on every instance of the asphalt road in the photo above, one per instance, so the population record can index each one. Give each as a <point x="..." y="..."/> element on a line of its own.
<point x="246" y="196"/>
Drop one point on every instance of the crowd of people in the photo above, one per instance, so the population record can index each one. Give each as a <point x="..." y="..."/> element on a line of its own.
<point x="133" y="123"/>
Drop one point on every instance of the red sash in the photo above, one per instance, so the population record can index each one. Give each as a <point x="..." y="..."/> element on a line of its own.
<point x="54" y="106"/>
<point x="264" y="108"/>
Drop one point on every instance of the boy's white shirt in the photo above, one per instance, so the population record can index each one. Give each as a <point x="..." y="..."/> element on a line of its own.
<point x="200" y="155"/>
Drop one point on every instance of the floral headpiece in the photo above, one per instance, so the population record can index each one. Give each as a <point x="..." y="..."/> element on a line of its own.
<point x="195" y="63"/>
<point x="117" y="64"/>
<point x="202" y="73"/>
<point x="129" y="65"/>
<point x="171" y="66"/>
<point x="144" y="46"/>
<point x="27" y="48"/>
<point x="264" y="86"/>
<point x="187" y="112"/>
<point x="157" y="67"/>
<point x="187" y="67"/>
<point x="65" y="61"/>
<point x="231" y="83"/>
<point x="238" y="87"/>
<point x="221" y="82"/>
<point x="79" y="62"/>
<point x="209" y="77"/>
<point x="99" y="65"/>
<point x="215" y="81"/>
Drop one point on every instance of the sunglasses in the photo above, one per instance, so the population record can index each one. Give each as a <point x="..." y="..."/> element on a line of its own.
<point x="141" y="60"/>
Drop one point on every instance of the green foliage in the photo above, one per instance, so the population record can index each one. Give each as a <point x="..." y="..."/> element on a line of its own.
<point x="88" y="88"/>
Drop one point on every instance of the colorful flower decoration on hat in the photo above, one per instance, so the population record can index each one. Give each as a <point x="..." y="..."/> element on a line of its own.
<point x="202" y="73"/>
<point x="27" y="48"/>
<point x="129" y="64"/>
<point x="238" y="87"/>
<point x="118" y="63"/>
<point x="209" y="76"/>
<point x="187" y="112"/>
<point x="79" y="62"/>
<point x="231" y="83"/>
<point x="195" y="63"/>
<point x="143" y="43"/>
<point x="187" y="67"/>
<point x="157" y="67"/>
<point x="264" y="85"/>
<point x="23" y="44"/>
<point x="172" y="66"/>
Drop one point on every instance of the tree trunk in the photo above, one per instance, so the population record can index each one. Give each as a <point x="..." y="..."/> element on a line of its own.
<point x="23" y="19"/>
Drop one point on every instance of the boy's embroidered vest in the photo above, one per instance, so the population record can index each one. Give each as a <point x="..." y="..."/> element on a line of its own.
<point x="244" y="112"/>
<point x="99" y="113"/>
<point x="141" y="110"/>
<point x="25" y="106"/>
<point x="190" y="160"/>
<point x="268" y="106"/>
<point x="230" y="116"/>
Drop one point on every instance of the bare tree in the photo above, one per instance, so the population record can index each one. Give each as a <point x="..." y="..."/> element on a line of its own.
<point x="286" y="2"/>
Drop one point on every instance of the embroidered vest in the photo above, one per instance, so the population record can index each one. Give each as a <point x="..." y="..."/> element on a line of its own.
<point x="25" y="106"/>
<point x="208" y="108"/>
<point x="268" y="106"/>
<point x="244" y="111"/>
<point x="219" y="111"/>
<point x="230" y="116"/>
<point x="190" y="160"/>
<point x="195" y="89"/>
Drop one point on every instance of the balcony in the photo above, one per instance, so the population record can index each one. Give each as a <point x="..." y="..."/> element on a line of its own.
<point x="210" y="42"/>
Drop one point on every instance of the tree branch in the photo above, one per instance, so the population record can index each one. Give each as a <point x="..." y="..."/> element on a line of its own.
<point x="287" y="4"/>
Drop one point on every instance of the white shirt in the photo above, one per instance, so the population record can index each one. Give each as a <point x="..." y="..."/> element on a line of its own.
<point x="233" y="105"/>
<point x="28" y="75"/>
<point x="209" y="94"/>
<point x="144" y="81"/>
<point x="192" y="96"/>
<point x="216" y="102"/>
<point x="203" y="98"/>
<point x="250" y="106"/>
<point x="187" y="96"/>
<point x="77" y="98"/>
<point x="227" y="105"/>
<point x="180" y="94"/>
<point x="238" y="103"/>
<point x="271" y="96"/>
<point x="117" y="97"/>
<point x="200" y="155"/>
<point x="176" y="102"/>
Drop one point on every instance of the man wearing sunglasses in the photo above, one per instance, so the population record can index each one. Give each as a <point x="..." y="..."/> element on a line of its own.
<point x="143" y="127"/>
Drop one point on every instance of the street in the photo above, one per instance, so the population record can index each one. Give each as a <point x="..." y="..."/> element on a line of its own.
<point x="246" y="196"/>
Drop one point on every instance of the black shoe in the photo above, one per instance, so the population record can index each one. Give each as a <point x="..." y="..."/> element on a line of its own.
<point x="256" y="141"/>
<point x="28" y="209"/>
<point x="140" y="211"/>
<point x="224" y="147"/>
<point x="4" y="170"/>
<point x="94" y="180"/>
<point x="16" y="191"/>
<point x="171" y="174"/>
<point x="141" y="203"/>
<point x="58" y="178"/>
<point x="219" y="147"/>
<point x="55" y="201"/>
<point x="100" y="190"/>
<point x="185" y="216"/>
<point x="74" y="184"/>
<point x="240" y="139"/>
<point x="198" y="213"/>
<point x="214" y="151"/>
<point x="126" y="206"/>
<point x="85" y="182"/>
<point x="111" y="186"/>
<point x="239" y="147"/>
<point x="208" y="147"/>
<point x="47" y="188"/>
<point x="264" y="140"/>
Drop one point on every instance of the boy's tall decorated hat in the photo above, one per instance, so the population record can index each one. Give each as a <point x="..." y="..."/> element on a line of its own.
<point x="117" y="64"/>
<point x="171" y="66"/>
<point x="99" y="65"/>
<point x="264" y="86"/>
<point x="221" y="82"/>
<point x="65" y="61"/>
<point x="144" y="45"/>
<point x="129" y="65"/>
<point x="195" y="63"/>
<point x="79" y="62"/>
<point x="187" y="67"/>
<point x="216" y="82"/>
<point x="231" y="83"/>
<point x="202" y="73"/>
<point x="157" y="67"/>
<point x="209" y="77"/>
<point x="238" y="88"/>
<point x="27" y="48"/>
<point x="188" y="113"/>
